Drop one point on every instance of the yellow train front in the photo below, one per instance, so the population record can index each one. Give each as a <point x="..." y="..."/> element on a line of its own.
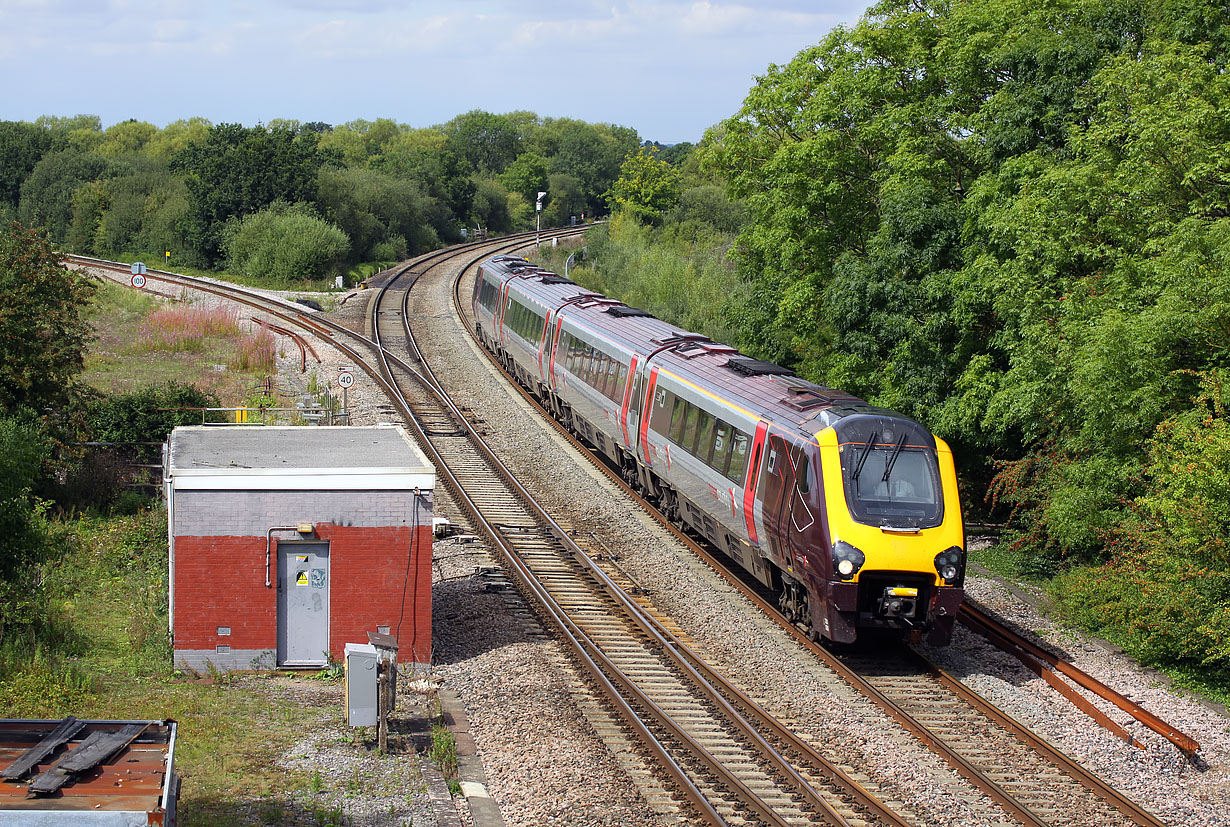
<point x="892" y="540"/>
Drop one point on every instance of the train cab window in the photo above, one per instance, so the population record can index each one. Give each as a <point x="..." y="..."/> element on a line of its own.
<point x="738" y="457"/>
<point x="704" y="437"/>
<point x="720" y="455"/>
<point x="677" y="416"/>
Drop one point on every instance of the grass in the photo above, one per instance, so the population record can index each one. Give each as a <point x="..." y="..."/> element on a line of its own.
<point x="124" y="357"/>
<point x="115" y="663"/>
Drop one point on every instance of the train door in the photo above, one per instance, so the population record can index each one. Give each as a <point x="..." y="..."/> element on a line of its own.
<point x="778" y="479"/>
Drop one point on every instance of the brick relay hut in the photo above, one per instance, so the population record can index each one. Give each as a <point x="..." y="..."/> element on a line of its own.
<point x="288" y="543"/>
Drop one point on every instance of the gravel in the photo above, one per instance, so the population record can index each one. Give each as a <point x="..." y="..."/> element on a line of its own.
<point x="532" y="716"/>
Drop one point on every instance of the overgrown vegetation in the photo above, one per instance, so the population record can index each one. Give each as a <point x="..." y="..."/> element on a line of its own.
<point x="288" y="201"/>
<point x="1010" y="220"/>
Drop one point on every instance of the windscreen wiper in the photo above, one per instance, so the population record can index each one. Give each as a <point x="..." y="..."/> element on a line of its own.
<point x="862" y="458"/>
<point x="892" y="460"/>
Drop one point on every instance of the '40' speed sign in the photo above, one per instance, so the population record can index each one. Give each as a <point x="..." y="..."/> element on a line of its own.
<point x="345" y="380"/>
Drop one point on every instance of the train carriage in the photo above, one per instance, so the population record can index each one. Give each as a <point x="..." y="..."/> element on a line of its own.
<point x="847" y="511"/>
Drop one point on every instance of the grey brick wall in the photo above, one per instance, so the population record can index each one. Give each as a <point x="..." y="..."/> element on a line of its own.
<point x="252" y="513"/>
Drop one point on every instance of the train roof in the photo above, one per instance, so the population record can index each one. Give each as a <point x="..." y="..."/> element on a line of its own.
<point x="762" y="389"/>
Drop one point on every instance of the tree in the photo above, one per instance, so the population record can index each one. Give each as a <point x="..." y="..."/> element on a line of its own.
<point x="238" y="170"/>
<point x="47" y="193"/>
<point x="376" y="210"/>
<point x="989" y="215"/>
<point x="26" y="538"/>
<point x="21" y="147"/>
<point x="284" y="241"/>
<point x="487" y="142"/>
<point x="43" y="333"/>
<point x="591" y="154"/>
<point x="526" y="176"/>
<point x="647" y="187"/>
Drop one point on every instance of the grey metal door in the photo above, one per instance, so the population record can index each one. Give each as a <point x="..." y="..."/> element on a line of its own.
<point x="303" y="604"/>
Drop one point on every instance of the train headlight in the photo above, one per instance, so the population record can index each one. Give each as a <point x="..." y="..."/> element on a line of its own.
<point x="847" y="560"/>
<point x="950" y="565"/>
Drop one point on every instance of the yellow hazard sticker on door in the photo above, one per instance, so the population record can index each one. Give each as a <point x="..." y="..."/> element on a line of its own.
<point x="302" y="558"/>
<point x="302" y="579"/>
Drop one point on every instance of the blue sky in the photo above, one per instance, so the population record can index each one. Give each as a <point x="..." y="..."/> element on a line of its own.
<point x="668" y="69"/>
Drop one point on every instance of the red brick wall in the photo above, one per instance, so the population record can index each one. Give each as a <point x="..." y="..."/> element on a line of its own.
<point x="220" y="581"/>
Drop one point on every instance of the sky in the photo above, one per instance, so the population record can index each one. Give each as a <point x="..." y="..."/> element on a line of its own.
<point x="667" y="69"/>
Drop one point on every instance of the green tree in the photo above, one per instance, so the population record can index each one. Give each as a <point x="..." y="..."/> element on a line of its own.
<point x="288" y="242"/>
<point x="21" y="147"/>
<point x="47" y="193"/>
<point x="375" y="210"/>
<point x="239" y="170"/>
<point x="486" y="142"/>
<point x="43" y="333"/>
<point x="526" y="176"/>
<point x="27" y="540"/>
<point x="647" y="187"/>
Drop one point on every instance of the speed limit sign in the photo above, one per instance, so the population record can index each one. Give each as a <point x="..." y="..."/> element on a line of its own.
<point x="345" y="380"/>
<point x="138" y="280"/>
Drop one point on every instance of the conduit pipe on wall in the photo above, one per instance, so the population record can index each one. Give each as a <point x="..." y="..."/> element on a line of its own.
<point x="269" y="546"/>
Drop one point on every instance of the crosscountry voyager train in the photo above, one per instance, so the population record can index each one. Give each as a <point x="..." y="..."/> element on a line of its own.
<point x="847" y="511"/>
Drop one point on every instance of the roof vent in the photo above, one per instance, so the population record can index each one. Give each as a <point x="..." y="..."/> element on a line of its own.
<point x="803" y="399"/>
<point x="756" y="367"/>
<point x="554" y="279"/>
<point x="624" y="312"/>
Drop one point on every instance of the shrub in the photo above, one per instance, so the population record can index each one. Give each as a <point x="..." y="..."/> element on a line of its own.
<point x="1165" y="594"/>
<point x="285" y="241"/>
<point x="182" y="328"/>
<point x="257" y="351"/>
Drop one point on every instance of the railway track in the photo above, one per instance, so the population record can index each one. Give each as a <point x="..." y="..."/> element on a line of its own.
<point x="1017" y="769"/>
<point x="725" y="756"/>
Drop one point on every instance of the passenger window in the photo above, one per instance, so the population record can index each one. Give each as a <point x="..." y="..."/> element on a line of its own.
<point x="689" y="430"/>
<point x="800" y="475"/>
<point x="738" y="457"/>
<point x="721" y="447"/>
<point x="677" y="414"/>
<point x="704" y="440"/>
<point x="621" y="381"/>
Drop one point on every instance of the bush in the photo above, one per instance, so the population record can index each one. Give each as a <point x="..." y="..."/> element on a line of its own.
<point x="1165" y="594"/>
<point x="27" y="539"/>
<point x="285" y="241"/>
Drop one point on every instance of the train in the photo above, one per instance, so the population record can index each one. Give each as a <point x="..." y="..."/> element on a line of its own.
<point x="848" y="512"/>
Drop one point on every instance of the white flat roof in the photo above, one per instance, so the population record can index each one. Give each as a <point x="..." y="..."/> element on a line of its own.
<point x="381" y="457"/>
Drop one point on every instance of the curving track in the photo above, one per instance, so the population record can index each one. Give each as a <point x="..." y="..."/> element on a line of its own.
<point x="729" y="760"/>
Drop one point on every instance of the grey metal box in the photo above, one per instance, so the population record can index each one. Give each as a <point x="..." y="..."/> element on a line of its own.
<point x="361" y="707"/>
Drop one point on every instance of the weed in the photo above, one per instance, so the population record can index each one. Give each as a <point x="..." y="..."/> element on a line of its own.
<point x="328" y="816"/>
<point x="316" y="784"/>
<point x="271" y="812"/>
<point x="256" y="351"/>
<point x="444" y="751"/>
<point x="333" y="670"/>
<point x="454" y="787"/>
<point x="184" y="327"/>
